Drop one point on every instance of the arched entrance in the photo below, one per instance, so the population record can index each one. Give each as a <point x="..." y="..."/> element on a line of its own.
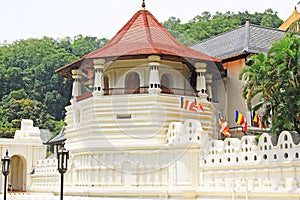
<point x="17" y="175"/>
<point x="132" y="83"/>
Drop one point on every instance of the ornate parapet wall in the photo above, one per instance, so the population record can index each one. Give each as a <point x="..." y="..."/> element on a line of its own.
<point x="269" y="168"/>
<point x="192" y="165"/>
<point x="139" y="170"/>
<point x="45" y="176"/>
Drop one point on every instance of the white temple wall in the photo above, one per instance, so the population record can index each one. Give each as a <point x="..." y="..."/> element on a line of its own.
<point x="24" y="150"/>
<point x="230" y="169"/>
<point x="234" y="90"/>
<point x="93" y="121"/>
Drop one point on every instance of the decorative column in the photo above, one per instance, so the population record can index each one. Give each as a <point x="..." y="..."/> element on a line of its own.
<point x="98" y="83"/>
<point x="154" y="80"/>
<point x="76" y="90"/>
<point x="209" y="86"/>
<point x="201" y="82"/>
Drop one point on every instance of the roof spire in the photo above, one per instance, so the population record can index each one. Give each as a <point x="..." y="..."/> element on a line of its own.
<point x="247" y="20"/>
<point x="143" y="4"/>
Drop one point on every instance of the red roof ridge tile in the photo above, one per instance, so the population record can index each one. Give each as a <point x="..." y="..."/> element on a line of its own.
<point x="142" y="35"/>
<point x="153" y="38"/>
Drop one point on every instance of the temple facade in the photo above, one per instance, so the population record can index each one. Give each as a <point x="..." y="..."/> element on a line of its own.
<point x="142" y="123"/>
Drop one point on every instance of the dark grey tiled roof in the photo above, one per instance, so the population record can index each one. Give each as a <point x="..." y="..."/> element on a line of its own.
<point x="245" y="39"/>
<point x="59" y="139"/>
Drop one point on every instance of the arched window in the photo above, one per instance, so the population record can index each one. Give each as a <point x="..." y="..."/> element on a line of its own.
<point x="132" y="83"/>
<point x="166" y="83"/>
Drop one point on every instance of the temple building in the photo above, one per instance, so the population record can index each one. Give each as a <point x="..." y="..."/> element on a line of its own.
<point x="143" y="123"/>
<point x="233" y="48"/>
<point x="290" y="23"/>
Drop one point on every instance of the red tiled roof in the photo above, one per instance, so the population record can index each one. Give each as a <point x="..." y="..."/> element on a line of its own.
<point x="143" y="35"/>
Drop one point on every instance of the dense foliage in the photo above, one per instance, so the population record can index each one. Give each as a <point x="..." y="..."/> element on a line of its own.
<point x="207" y="25"/>
<point x="29" y="87"/>
<point x="273" y="84"/>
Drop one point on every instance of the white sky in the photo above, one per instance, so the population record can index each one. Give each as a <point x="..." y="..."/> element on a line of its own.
<point x="22" y="19"/>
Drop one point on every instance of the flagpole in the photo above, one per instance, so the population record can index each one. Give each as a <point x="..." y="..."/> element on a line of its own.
<point x="235" y="127"/>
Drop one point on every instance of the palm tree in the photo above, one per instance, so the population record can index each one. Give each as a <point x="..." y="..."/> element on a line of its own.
<point x="274" y="79"/>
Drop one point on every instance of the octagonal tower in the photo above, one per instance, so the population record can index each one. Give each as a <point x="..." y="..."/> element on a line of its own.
<point x="126" y="125"/>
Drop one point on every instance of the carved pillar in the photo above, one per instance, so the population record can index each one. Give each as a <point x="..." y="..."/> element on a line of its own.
<point x="201" y="81"/>
<point x="209" y="86"/>
<point x="76" y="90"/>
<point x="154" y="80"/>
<point x="98" y="83"/>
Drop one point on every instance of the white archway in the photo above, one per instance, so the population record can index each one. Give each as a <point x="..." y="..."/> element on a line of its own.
<point x="17" y="175"/>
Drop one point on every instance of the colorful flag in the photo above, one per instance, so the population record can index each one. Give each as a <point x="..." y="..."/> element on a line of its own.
<point x="260" y="124"/>
<point x="198" y="105"/>
<point x="241" y="120"/>
<point x="257" y="119"/>
<point x="224" y="128"/>
<point x="187" y="105"/>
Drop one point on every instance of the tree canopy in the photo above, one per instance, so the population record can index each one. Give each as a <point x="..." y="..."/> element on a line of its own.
<point x="207" y="25"/>
<point x="29" y="87"/>
<point x="273" y="80"/>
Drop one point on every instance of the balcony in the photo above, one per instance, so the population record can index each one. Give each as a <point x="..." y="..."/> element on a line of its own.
<point x="140" y="90"/>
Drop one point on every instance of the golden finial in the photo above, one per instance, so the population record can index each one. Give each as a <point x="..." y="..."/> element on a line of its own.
<point x="143" y="4"/>
<point x="247" y="20"/>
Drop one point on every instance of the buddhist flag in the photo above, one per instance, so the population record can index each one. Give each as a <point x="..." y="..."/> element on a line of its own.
<point x="198" y="105"/>
<point x="257" y="119"/>
<point x="187" y="105"/>
<point x="224" y="128"/>
<point x="241" y="120"/>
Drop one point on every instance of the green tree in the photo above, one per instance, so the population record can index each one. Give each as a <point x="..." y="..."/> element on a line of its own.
<point x="29" y="83"/>
<point x="84" y="45"/>
<point x="13" y="110"/>
<point x="270" y="19"/>
<point x="207" y="25"/>
<point x="274" y="80"/>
